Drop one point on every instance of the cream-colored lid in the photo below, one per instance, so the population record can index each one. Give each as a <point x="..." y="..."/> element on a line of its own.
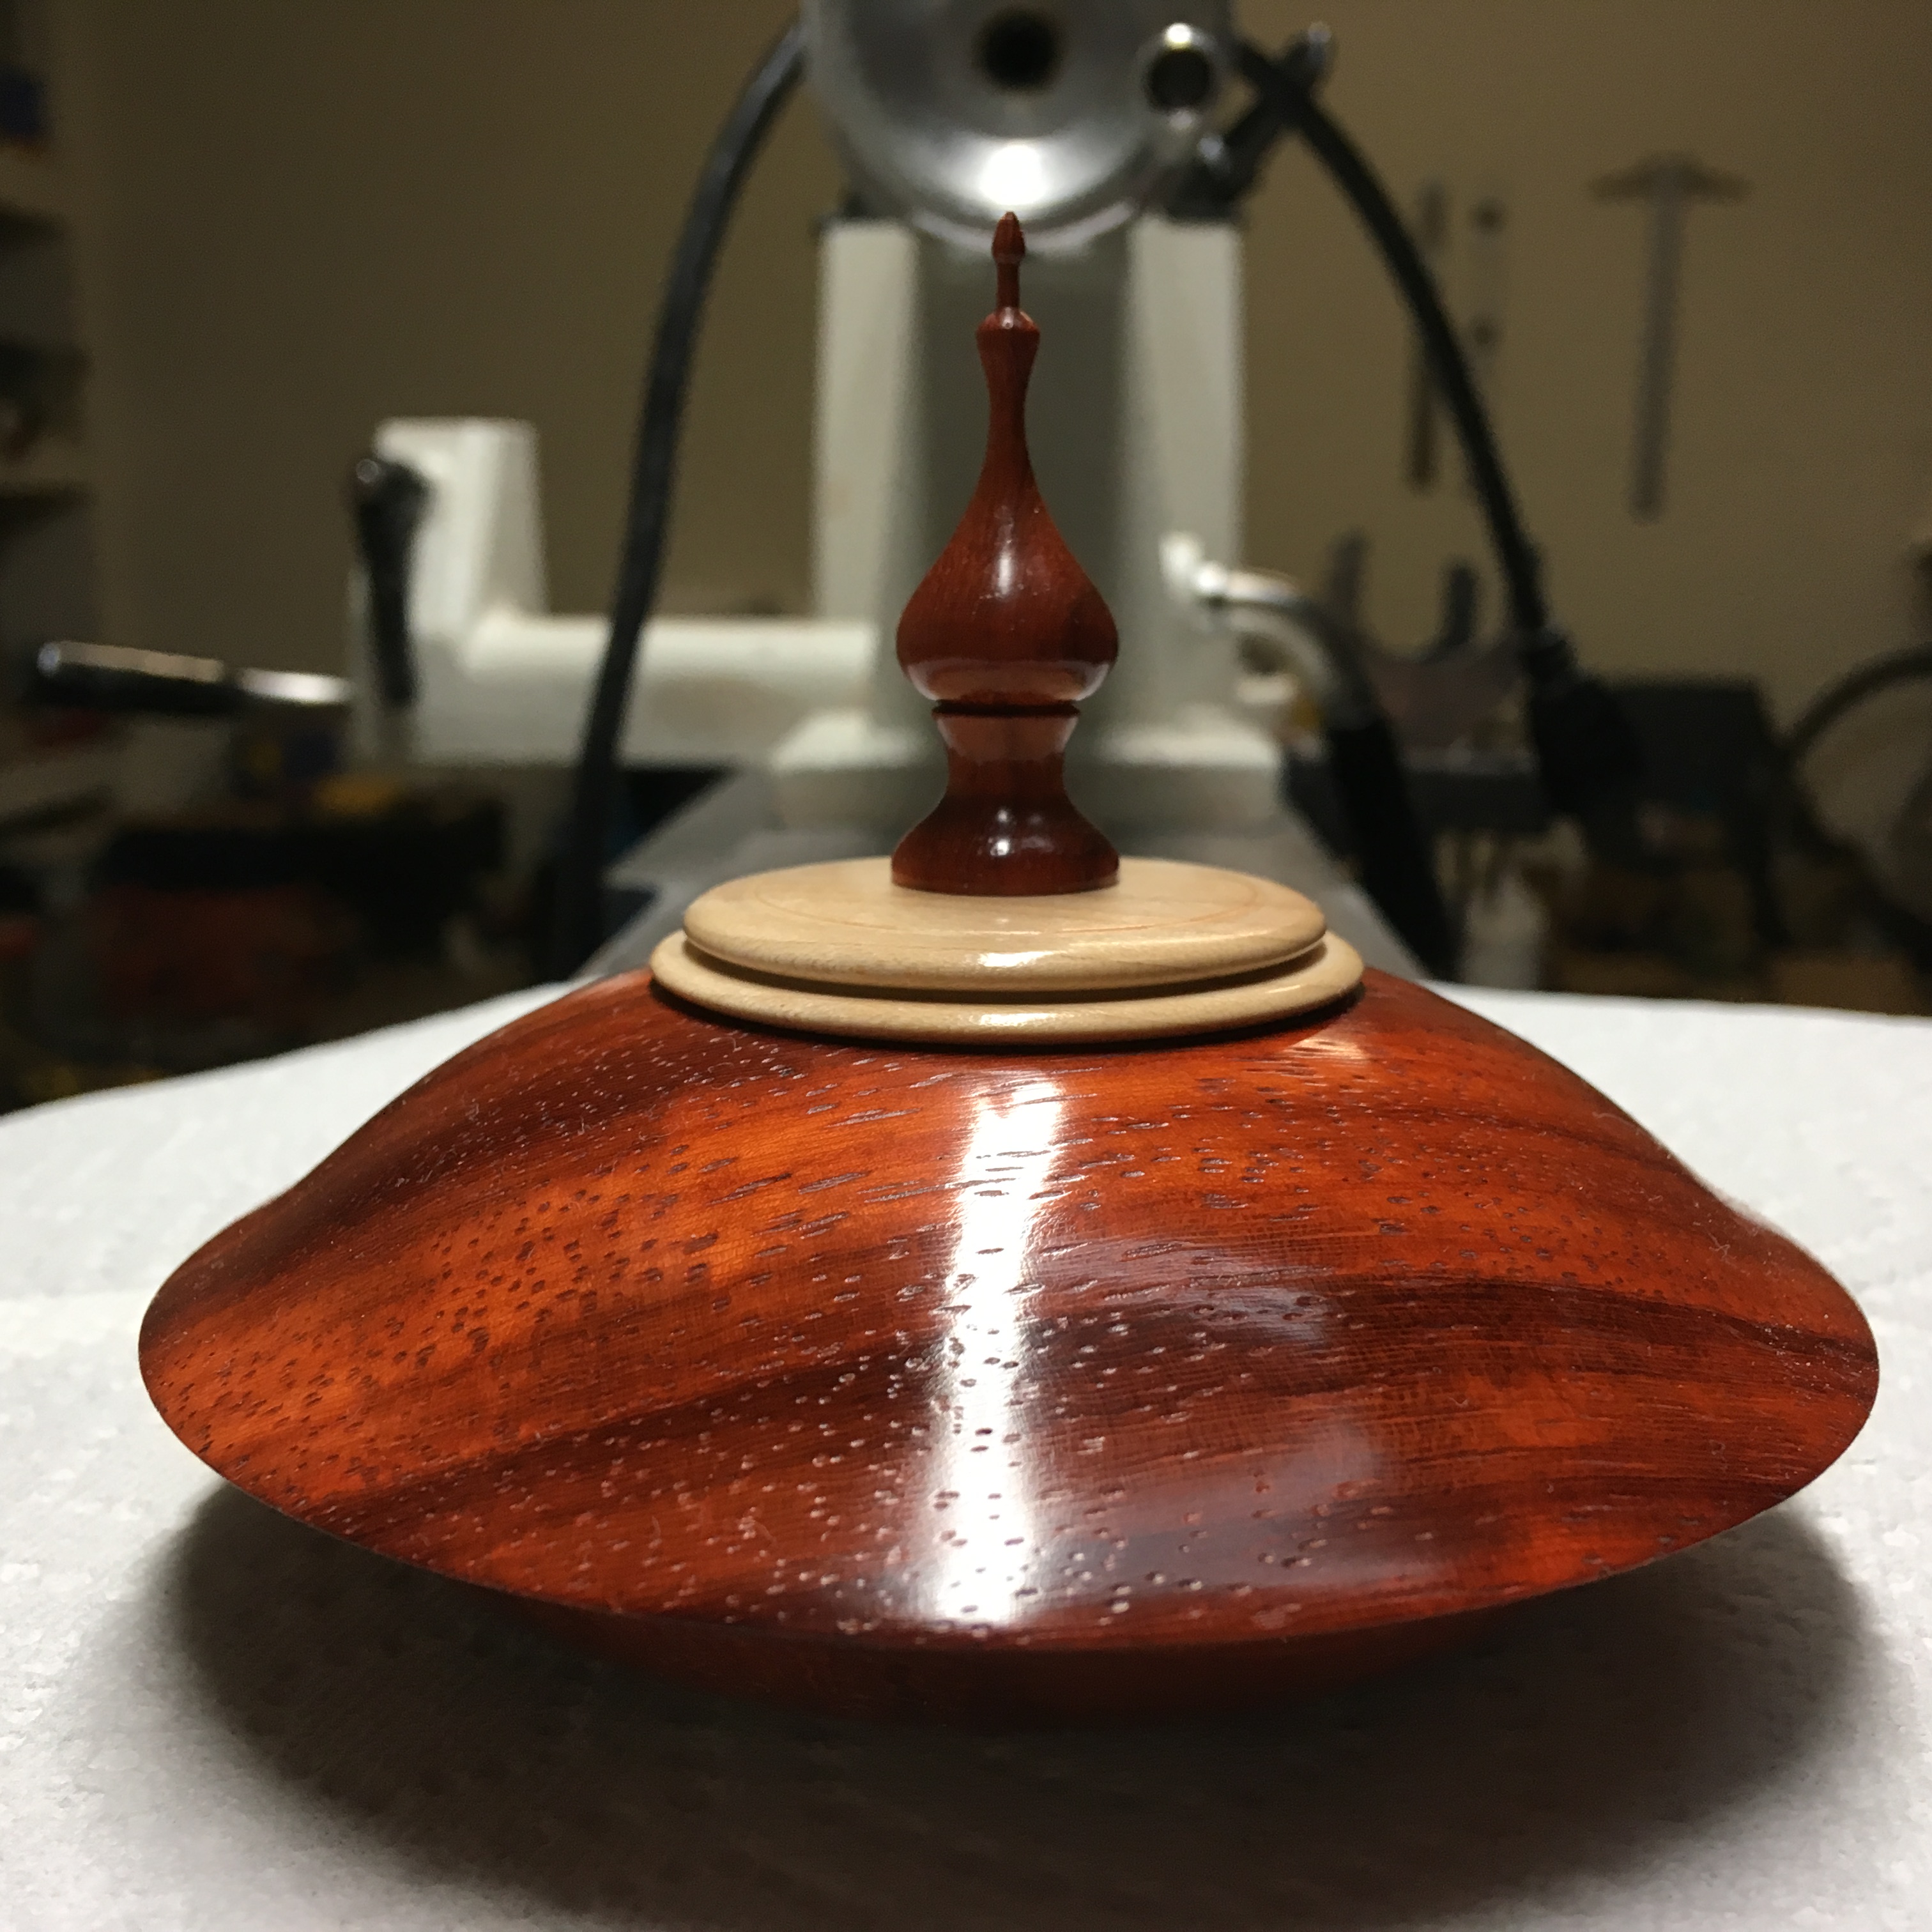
<point x="1171" y="949"/>
<point x="848" y="923"/>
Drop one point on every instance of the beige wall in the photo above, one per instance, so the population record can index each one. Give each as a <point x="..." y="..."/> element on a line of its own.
<point x="306" y="214"/>
<point x="1802" y="448"/>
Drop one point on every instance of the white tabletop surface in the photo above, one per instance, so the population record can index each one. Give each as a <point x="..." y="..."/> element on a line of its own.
<point x="212" y="1718"/>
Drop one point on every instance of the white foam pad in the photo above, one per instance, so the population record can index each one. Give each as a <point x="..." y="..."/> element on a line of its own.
<point x="211" y="1718"/>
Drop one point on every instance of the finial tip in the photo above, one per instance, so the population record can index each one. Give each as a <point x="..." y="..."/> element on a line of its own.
<point x="1009" y="251"/>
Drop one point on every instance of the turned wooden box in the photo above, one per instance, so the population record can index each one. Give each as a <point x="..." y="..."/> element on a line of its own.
<point x="1022" y="1286"/>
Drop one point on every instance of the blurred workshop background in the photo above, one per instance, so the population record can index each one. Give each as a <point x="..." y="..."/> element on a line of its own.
<point x="234" y="237"/>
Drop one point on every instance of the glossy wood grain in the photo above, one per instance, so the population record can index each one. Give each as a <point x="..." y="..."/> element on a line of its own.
<point x="947" y="1383"/>
<point x="1008" y="633"/>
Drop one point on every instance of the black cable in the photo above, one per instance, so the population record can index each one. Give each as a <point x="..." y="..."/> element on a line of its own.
<point x="1587" y="753"/>
<point x="1794" y="819"/>
<point x="578" y="924"/>
<point x="1300" y="113"/>
<point x="1867" y="681"/>
<point x="1393" y="860"/>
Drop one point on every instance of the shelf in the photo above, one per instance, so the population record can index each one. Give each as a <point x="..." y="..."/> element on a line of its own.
<point x="31" y="191"/>
<point x="46" y="782"/>
<point x="51" y="468"/>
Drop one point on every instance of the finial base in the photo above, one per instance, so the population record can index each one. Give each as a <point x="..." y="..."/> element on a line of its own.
<point x="1006" y="826"/>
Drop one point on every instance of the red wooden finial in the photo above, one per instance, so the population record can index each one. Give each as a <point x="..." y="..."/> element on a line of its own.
<point x="1009" y="252"/>
<point x="1006" y="635"/>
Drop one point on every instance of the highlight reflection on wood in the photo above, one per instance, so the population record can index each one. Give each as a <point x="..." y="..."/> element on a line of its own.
<point x="939" y="1381"/>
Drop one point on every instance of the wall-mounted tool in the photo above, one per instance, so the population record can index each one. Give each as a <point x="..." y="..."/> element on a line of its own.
<point x="1419" y="463"/>
<point x="1485" y="283"/>
<point x="387" y="499"/>
<point x="1483" y="280"/>
<point x="1669" y="183"/>
<point x="112" y="677"/>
